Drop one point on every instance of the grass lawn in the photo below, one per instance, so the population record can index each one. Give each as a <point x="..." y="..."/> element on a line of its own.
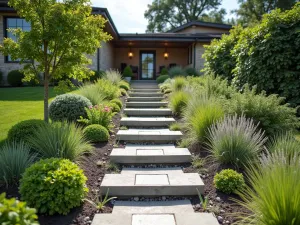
<point x="17" y="104"/>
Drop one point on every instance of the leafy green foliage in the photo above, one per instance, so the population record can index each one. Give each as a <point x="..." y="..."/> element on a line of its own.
<point x="118" y="102"/>
<point x="236" y="141"/>
<point x="97" y="75"/>
<point x="204" y="201"/>
<point x="191" y="71"/>
<point x="14" y="212"/>
<point x="127" y="72"/>
<point x="108" y="89"/>
<point x="175" y="126"/>
<point x="269" y="111"/>
<point x="162" y="78"/>
<point x="60" y="140"/>
<point x="53" y="186"/>
<point x="98" y="114"/>
<point x="271" y="196"/>
<point x="114" y="76"/>
<point x="98" y="202"/>
<point x="15" y="157"/>
<point x="24" y="129"/>
<point x="125" y="85"/>
<point x="14" y="78"/>
<point x="93" y="92"/>
<point x="178" y="83"/>
<point x="123" y="92"/>
<point x="68" y="107"/>
<point x="96" y="133"/>
<point x="164" y="71"/>
<point x="176" y="71"/>
<point x="229" y="181"/>
<point x="178" y="101"/>
<point x="114" y="107"/>
<point x="1" y="77"/>
<point x="198" y="162"/>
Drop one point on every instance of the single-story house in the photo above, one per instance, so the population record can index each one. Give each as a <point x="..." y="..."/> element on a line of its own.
<point x="146" y="53"/>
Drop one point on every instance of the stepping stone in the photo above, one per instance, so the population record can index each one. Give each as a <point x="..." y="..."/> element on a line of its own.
<point x="162" y="146"/>
<point x="145" y="90"/>
<point x="147" y="112"/>
<point x="146" y="121"/>
<point x="146" y="104"/>
<point x="145" y="94"/>
<point x="152" y="182"/>
<point x="144" y="99"/>
<point x="150" y="155"/>
<point x="153" y="135"/>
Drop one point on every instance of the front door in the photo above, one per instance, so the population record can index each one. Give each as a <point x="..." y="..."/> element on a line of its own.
<point x="147" y="65"/>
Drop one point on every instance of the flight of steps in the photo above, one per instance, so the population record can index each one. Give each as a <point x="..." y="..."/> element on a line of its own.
<point x="149" y="141"/>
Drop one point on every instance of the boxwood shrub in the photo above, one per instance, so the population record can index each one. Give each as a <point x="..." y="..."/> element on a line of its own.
<point x="117" y="101"/>
<point x="53" y="186"/>
<point x="96" y="133"/>
<point x="68" y="107"/>
<point x="14" y="78"/>
<point x="162" y="78"/>
<point x="229" y="181"/>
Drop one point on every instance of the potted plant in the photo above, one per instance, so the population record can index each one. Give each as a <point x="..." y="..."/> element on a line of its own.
<point x="127" y="73"/>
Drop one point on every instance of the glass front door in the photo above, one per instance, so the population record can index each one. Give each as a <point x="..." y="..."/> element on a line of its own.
<point x="147" y="65"/>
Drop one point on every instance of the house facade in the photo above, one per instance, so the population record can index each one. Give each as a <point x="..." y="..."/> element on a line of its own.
<point x="146" y="53"/>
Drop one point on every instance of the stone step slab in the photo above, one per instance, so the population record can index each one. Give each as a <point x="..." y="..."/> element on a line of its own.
<point x="152" y="182"/>
<point x="161" y="146"/>
<point x="146" y="104"/>
<point x="147" y="112"/>
<point x="146" y="121"/>
<point x="153" y="135"/>
<point x="150" y="155"/>
<point x="144" y="99"/>
<point x="145" y="94"/>
<point x="145" y="90"/>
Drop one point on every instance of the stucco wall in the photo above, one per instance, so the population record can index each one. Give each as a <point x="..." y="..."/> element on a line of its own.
<point x="199" y="29"/>
<point x="199" y="62"/>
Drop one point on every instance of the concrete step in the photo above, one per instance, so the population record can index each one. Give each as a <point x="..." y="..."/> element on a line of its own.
<point x="144" y="86"/>
<point x="145" y="94"/>
<point x="152" y="182"/>
<point x="150" y="155"/>
<point x="145" y="90"/>
<point x="144" y="99"/>
<point x="153" y="135"/>
<point x="147" y="112"/>
<point x="146" y="121"/>
<point x="146" y="104"/>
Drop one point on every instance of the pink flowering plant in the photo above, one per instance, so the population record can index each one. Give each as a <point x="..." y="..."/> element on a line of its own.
<point x="98" y="114"/>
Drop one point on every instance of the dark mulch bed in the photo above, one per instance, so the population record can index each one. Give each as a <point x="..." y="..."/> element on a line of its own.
<point x="85" y="213"/>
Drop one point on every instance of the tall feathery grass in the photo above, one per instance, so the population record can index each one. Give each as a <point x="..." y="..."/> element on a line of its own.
<point x="236" y="141"/>
<point x="93" y="93"/>
<point x="113" y="76"/>
<point x="178" y="101"/>
<point x="273" y="194"/>
<point x="60" y="140"/>
<point x="178" y="84"/>
<point x="14" y="159"/>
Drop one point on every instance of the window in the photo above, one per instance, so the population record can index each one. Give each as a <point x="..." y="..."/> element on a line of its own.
<point x="15" y="23"/>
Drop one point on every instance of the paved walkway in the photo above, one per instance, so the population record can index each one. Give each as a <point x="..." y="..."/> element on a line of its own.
<point x="149" y="141"/>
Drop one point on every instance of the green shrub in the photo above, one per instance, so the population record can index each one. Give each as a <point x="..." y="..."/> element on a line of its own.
<point x="97" y="75"/>
<point x="98" y="114"/>
<point x="53" y="186"/>
<point x="229" y="181"/>
<point x="164" y="71"/>
<point x="108" y="89"/>
<point x="127" y="72"/>
<point x="93" y="93"/>
<point x="60" y="140"/>
<point x="191" y="71"/>
<point x="176" y="71"/>
<point x="273" y="116"/>
<point x="236" y="141"/>
<point x="175" y="127"/>
<point x="125" y="85"/>
<point x="14" y="212"/>
<point x="123" y="92"/>
<point x="24" y="129"/>
<point x="272" y="196"/>
<point x="114" y="76"/>
<point x="178" y="101"/>
<point x="15" y="157"/>
<point x="96" y="133"/>
<point x="162" y="78"/>
<point x="1" y="77"/>
<point x="68" y="107"/>
<point x="14" y="78"/>
<point x="114" y="107"/>
<point x="118" y="102"/>
<point x="178" y="83"/>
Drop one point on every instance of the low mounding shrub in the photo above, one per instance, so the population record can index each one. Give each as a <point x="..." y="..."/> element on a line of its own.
<point x="125" y="85"/>
<point x="68" y="107"/>
<point x="273" y="195"/>
<point x="96" y="133"/>
<point x="178" y="83"/>
<point x="108" y="89"/>
<point x="162" y="78"/>
<point x="127" y="72"/>
<point x="176" y="71"/>
<point x="60" y="140"/>
<point x="98" y="114"/>
<point x="236" y="141"/>
<point x="123" y="92"/>
<point x="229" y="181"/>
<point x="53" y="186"/>
<point x="114" y="76"/>
<point x="178" y="101"/>
<point x="24" y="129"/>
<point x="191" y="71"/>
<point x="114" y="107"/>
<point x="14" y="159"/>
<point x="118" y="102"/>
<point x="273" y="116"/>
<point x="164" y="71"/>
<point x="14" y="78"/>
<point x="14" y="212"/>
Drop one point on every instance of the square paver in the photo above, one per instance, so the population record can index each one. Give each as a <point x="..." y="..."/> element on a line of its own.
<point x="152" y="179"/>
<point x="159" y="219"/>
<point x="149" y="132"/>
<point x="149" y="152"/>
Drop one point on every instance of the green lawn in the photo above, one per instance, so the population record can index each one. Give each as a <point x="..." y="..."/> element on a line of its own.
<point x="17" y="104"/>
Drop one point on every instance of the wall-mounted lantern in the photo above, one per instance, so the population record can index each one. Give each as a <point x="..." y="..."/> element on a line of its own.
<point x="130" y="54"/>
<point x="166" y="54"/>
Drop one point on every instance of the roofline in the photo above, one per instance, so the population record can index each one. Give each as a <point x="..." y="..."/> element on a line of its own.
<point x="200" y="23"/>
<point x="166" y="38"/>
<point x="104" y="12"/>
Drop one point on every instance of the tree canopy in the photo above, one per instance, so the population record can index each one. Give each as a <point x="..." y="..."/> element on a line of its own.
<point x="164" y="15"/>
<point x="62" y="34"/>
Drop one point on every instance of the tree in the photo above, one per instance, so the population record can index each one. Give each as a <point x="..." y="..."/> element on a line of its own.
<point x="164" y="15"/>
<point x="251" y="11"/>
<point x="62" y="34"/>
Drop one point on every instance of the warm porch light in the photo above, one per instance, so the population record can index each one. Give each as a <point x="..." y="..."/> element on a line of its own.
<point x="166" y="54"/>
<point x="130" y="54"/>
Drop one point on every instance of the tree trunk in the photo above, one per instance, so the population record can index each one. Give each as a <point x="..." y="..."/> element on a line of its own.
<point x="46" y="96"/>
